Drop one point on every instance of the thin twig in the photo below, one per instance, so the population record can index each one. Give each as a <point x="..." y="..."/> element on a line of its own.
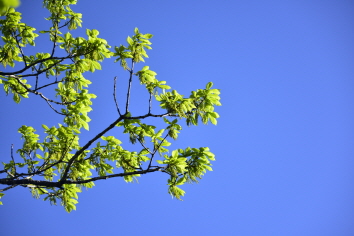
<point x="66" y="23"/>
<point x="40" y="94"/>
<point x="150" y="115"/>
<point x="50" y="105"/>
<point x="136" y="168"/>
<point x="57" y="162"/>
<point x="129" y="86"/>
<point x="114" y="95"/>
<point x="155" y="150"/>
<point x="19" y="47"/>
<point x="160" y="143"/>
<point x="12" y="153"/>
<point x="55" y="38"/>
<point x="30" y="157"/>
<point x="114" y="175"/>
<point x="48" y="68"/>
<point x="48" y="85"/>
<point x="12" y="157"/>
<point x="12" y="176"/>
<point x="7" y="188"/>
<point x="150" y="103"/>
<point x="37" y="93"/>
<point x="142" y="144"/>
<point x="36" y="86"/>
<point x="35" y="63"/>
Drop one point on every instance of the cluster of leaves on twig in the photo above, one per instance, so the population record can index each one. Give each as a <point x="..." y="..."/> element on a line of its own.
<point x="58" y="166"/>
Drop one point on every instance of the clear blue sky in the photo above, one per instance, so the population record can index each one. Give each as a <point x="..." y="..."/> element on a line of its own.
<point x="284" y="142"/>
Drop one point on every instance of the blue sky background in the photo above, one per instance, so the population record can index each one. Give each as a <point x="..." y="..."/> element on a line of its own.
<point x="284" y="142"/>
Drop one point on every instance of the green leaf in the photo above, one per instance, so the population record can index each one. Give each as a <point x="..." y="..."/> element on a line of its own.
<point x="209" y="85"/>
<point x="213" y="120"/>
<point x="85" y="125"/>
<point x="136" y="30"/>
<point x="148" y="36"/>
<point x="16" y="98"/>
<point x="130" y="40"/>
<point x="145" y="68"/>
<point x="6" y="4"/>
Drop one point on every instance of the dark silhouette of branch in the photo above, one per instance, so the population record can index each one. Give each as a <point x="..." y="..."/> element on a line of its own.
<point x="48" y="85"/>
<point x="43" y="167"/>
<point x="86" y="146"/>
<point x="66" y="23"/>
<point x="55" y="39"/>
<point x="114" y="95"/>
<point x="156" y="149"/>
<point x="7" y="188"/>
<point x="55" y="110"/>
<point x="40" y="94"/>
<point x="35" y="63"/>
<point x="12" y="156"/>
<point x="43" y="183"/>
<point x="89" y="143"/>
<point x="150" y="103"/>
<point x="19" y="47"/>
<point x="129" y="86"/>
<point x="142" y="144"/>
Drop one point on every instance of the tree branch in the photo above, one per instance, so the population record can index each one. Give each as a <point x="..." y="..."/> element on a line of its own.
<point x="142" y="144"/>
<point x="7" y="188"/>
<point x="19" y="47"/>
<point x="86" y="146"/>
<point x="114" y="95"/>
<point x="40" y="94"/>
<point x="35" y="63"/>
<point x="55" y="110"/>
<point x="48" y="85"/>
<point x="129" y="86"/>
<point x="55" y="38"/>
<point x="155" y="150"/>
<point x="150" y="104"/>
<point x="42" y="183"/>
<point x="12" y="157"/>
